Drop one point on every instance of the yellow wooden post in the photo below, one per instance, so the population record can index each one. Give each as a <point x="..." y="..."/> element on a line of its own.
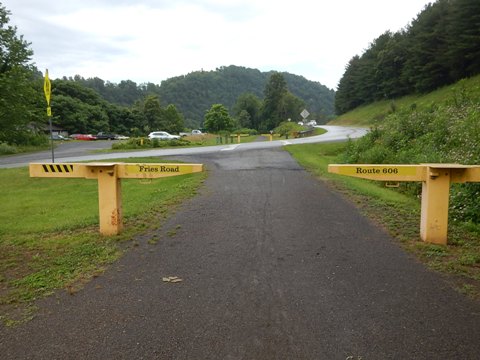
<point x="435" y="198"/>
<point x="238" y="138"/>
<point x="109" y="200"/>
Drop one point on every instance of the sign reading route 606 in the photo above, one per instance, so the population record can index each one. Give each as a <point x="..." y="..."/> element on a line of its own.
<point x="380" y="172"/>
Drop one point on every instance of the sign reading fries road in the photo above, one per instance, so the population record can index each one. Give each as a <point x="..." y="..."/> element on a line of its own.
<point x="108" y="176"/>
<point x="156" y="170"/>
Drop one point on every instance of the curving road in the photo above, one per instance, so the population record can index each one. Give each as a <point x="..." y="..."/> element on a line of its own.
<point x="81" y="151"/>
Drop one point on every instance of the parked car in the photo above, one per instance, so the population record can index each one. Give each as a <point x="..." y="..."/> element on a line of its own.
<point x="162" y="135"/>
<point x="121" y="137"/>
<point x="105" y="136"/>
<point x="194" y="132"/>
<point x="83" y="137"/>
<point x="59" y="137"/>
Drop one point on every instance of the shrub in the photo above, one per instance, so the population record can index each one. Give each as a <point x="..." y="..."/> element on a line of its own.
<point x="6" y="149"/>
<point x="145" y="143"/>
<point x="465" y="202"/>
<point x="287" y="128"/>
<point x="442" y="134"/>
<point x="27" y="138"/>
<point x="250" y="132"/>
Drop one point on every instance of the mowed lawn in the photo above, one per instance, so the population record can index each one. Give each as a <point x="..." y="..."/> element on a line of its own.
<point x="49" y="235"/>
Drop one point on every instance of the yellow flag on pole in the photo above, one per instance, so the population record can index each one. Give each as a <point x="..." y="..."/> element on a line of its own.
<point x="47" y="88"/>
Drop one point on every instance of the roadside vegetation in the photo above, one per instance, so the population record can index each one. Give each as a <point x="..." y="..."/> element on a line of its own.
<point x="446" y="132"/>
<point x="41" y="144"/>
<point x="375" y="113"/>
<point x="49" y="236"/>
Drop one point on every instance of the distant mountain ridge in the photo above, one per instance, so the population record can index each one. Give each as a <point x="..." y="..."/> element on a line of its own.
<point x="195" y="92"/>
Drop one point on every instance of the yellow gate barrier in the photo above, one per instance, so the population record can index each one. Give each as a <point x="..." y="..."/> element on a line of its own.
<point x="435" y="178"/>
<point x="108" y="176"/>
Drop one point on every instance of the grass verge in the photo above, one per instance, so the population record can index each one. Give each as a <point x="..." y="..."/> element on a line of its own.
<point x="49" y="235"/>
<point x="374" y="113"/>
<point x="399" y="215"/>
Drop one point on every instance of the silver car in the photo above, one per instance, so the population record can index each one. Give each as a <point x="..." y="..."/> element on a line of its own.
<point x="162" y="135"/>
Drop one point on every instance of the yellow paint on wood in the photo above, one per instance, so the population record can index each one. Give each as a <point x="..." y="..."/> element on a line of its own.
<point x="56" y="170"/>
<point x="434" y="214"/>
<point x="436" y="179"/>
<point x="109" y="203"/>
<point x="109" y="177"/>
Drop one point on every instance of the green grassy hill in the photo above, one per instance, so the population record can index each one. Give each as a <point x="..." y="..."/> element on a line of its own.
<point x="374" y="113"/>
<point x="440" y="127"/>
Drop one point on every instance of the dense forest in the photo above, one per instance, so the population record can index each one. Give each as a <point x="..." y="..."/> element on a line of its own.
<point x="90" y="105"/>
<point x="194" y="93"/>
<point x="439" y="47"/>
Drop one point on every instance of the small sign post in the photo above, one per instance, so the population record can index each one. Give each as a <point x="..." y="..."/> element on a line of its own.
<point x="47" y="89"/>
<point x="304" y="114"/>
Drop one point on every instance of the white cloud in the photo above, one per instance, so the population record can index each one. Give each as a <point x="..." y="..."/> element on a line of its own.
<point x="151" y="40"/>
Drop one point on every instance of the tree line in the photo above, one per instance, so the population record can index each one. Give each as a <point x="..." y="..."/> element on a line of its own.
<point x="252" y="113"/>
<point x="439" y="47"/>
<point x="195" y="92"/>
<point x="20" y="85"/>
<point x="79" y="109"/>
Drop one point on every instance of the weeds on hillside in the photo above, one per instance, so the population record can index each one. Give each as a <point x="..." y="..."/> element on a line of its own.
<point x="442" y="134"/>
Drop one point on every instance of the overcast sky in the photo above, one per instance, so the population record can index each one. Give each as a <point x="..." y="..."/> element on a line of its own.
<point x="153" y="40"/>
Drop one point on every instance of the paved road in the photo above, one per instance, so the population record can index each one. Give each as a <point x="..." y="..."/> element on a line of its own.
<point x="274" y="266"/>
<point x="62" y="150"/>
<point x="81" y="151"/>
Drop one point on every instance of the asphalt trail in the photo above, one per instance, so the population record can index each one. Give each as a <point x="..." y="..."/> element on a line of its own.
<point x="274" y="266"/>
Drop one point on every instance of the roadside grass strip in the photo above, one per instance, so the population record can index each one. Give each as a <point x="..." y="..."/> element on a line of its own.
<point x="49" y="236"/>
